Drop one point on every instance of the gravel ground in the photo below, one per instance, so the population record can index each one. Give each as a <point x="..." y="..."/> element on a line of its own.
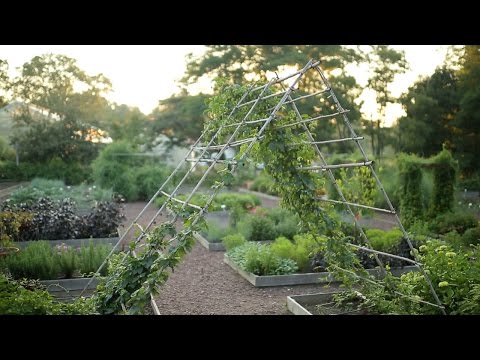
<point x="203" y="284"/>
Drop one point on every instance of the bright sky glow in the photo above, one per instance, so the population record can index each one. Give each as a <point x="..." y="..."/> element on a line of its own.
<point x="142" y="75"/>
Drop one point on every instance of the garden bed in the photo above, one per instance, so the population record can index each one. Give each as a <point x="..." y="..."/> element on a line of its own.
<point x="218" y="246"/>
<point x="307" y="305"/>
<point x="299" y="279"/>
<point x="69" y="289"/>
<point x="210" y="246"/>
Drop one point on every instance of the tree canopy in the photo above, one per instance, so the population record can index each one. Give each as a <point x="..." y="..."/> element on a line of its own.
<point x="180" y="117"/>
<point x="66" y="102"/>
<point x="443" y="109"/>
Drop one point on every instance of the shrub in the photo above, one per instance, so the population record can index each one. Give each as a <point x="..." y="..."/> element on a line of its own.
<point x="448" y="222"/>
<point x="411" y="200"/>
<point x="265" y="184"/>
<point x="71" y="173"/>
<point x="389" y="177"/>
<point x="233" y="240"/>
<point x="285" y="222"/>
<point x="444" y="178"/>
<point x="149" y="178"/>
<point x="102" y="221"/>
<point x="471" y="236"/>
<point x="257" y="228"/>
<point x="114" y="168"/>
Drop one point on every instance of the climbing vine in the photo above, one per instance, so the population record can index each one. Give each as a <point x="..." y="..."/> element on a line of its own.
<point x="132" y="278"/>
<point x="283" y="150"/>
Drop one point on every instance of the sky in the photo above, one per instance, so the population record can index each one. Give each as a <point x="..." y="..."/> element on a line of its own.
<point x="142" y="75"/>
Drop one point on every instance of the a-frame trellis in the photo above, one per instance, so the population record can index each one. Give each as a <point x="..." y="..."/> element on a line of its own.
<point x="211" y="146"/>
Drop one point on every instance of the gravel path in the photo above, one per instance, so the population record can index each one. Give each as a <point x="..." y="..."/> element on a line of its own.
<point x="203" y="284"/>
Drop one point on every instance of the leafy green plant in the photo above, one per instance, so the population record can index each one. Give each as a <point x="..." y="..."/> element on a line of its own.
<point x="471" y="236"/>
<point x="11" y="224"/>
<point x="453" y="274"/>
<point x="448" y="222"/>
<point x="386" y="241"/>
<point x="260" y="260"/>
<point x="131" y="279"/>
<point x="301" y="250"/>
<point x="83" y="195"/>
<point x="257" y="228"/>
<point x="17" y="299"/>
<point x="89" y="258"/>
<point x="36" y="261"/>
<point x="233" y="240"/>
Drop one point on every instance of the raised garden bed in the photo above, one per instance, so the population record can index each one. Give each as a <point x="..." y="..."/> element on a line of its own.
<point x="217" y="246"/>
<point x="299" y="279"/>
<point x="210" y="246"/>
<point x="306" y="305"/>
<point x="69" y="289"/>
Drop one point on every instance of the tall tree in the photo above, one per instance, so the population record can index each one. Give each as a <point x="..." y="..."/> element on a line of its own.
<point x="242" y="63"/>
<point x="239" y="63"/>
<point x="430" y="104"/>
<point x="123" y="122"/>
<point x="386" y="63"/>
<point x="4" y="82"/>
<point x="62" y="102"/>
<point x="466" y="125"/>
<point x="180" y="117"/>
